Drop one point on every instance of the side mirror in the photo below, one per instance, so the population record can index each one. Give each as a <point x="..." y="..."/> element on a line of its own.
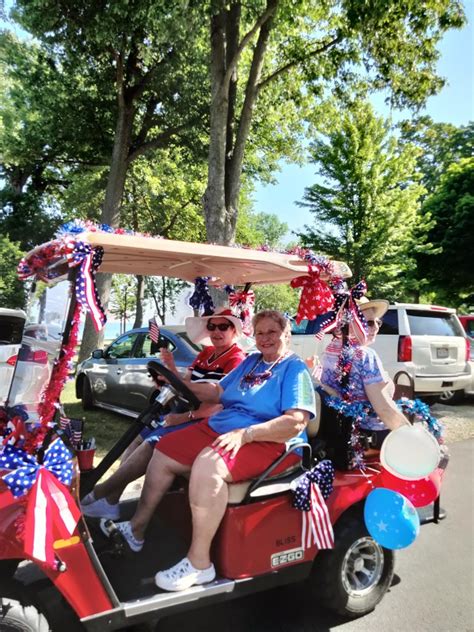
<point x="97" y="354"/>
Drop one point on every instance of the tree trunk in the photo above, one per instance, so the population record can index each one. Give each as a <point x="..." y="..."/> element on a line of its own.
<point x="140" y="296"/>
<point x="110" y="215"/>
<point x="214" y="196"/>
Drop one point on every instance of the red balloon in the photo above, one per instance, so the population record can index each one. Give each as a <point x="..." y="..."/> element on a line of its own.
<point x="420" y="493"/>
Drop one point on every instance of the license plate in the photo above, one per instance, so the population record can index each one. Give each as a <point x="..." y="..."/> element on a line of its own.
<point x="442" y="353"/>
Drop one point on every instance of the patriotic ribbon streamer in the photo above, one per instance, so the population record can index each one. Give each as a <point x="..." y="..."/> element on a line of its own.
<point x="79" y="253"/>
<point x="316" y="297"/>
<point x="312" y="489"/>
<point x="201" y="296"/>
<point x="242" y="304"/>
<point x="345" y="310"/>
<point x="51" y="511"/>
<point x="57" y="460"/>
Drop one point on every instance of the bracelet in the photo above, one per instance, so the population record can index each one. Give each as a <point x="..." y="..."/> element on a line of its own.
<point x="248" y="434"/>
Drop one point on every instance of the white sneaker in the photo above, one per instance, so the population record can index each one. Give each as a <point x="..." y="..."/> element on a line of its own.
<point x="107" y="527"/>
<point x="183" y="575"/>
<point x="100" y="508"/>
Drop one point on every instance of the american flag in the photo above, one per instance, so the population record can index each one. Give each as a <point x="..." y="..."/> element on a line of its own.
<point x="310" y="491"/>
<point x="317" y="528"/>
<point x="153" y="329"/>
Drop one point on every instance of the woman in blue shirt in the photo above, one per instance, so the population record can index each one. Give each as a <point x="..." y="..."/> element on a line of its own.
<point x="267" y="400"/>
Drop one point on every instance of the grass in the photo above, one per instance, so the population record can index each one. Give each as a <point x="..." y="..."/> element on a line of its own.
<point x="106" y="427"/>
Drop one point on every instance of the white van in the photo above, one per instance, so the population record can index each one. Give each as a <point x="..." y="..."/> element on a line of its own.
<point x="12" y="322"/>
<point x="426" y="341"/>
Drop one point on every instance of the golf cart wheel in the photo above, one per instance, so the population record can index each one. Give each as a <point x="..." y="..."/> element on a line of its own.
<point x="353" y="577"/>
<point x="15" y="617"/>
<point x="87" y="399"/>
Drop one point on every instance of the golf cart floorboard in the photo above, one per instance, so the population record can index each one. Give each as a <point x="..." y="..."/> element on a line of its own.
<point x="132" y="574"/>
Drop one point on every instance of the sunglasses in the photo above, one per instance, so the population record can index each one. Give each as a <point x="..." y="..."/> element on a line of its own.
<point x="220" y="327"/>
<point x="374" y="323"/>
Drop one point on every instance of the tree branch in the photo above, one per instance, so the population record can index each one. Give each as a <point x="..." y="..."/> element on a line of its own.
<point x="155" y="143"/>
<point x="295" y="62"/>
<point x="269" y="12"/>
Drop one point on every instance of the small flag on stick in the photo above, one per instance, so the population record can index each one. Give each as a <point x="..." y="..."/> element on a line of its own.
<point x="153" y="330"/>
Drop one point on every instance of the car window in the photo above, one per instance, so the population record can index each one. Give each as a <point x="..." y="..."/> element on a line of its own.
<point x="11" y="330"/>
<point x="299" y="329"/>
<point x="122" y="347"/>
<point x="186" y="338"/>
<point x="469" y="327"/>
<point x="150" y="349"/>
<point x="389" y="324"/>
<point x="433" y="324"/>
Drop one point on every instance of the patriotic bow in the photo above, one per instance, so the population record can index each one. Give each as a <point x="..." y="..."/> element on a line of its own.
<point x="79" y="253"/>
<point x="345" y="310"/>
<point x="57" y="460"/>
<point x="242" y="304"/>
<point x="51" y="511"/>
<point x="312" y="489"/>
<point x="202" y="296"/>
<point x="316" y="296"/>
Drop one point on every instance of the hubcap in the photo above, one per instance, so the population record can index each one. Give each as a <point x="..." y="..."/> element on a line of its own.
<point x="362" y="567"/>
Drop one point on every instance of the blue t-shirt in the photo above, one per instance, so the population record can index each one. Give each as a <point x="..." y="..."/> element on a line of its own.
<point x="289" y="386"/>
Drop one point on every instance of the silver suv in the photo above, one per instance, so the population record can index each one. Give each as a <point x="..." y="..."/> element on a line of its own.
<point x="426" y="341"/>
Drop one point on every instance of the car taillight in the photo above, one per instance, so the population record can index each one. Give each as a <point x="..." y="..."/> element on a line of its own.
<point x="468" y="350"/>
<point x="404" y="349"/>
<point x="12" y="360"/>
<point x="40" y="357"/>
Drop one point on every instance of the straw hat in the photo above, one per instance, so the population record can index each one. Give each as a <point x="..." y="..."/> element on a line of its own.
<point x="196" y="325"/>
<point x="380" y="305"/>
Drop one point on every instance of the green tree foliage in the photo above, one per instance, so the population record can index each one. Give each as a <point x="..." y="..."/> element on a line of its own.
<point x="441" y="144"/>
<point x="281" y="297"/>
<point x="123" y="299"/>
<point x="164" y="293"/>
<point x="452" y="207"/>
<point x="270" y="60"/>
<point x="366" y="203"/>
<point x="12" y="291"/>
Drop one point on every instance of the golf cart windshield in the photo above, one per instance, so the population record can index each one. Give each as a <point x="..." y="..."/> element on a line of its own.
<point x="40" y="346"/>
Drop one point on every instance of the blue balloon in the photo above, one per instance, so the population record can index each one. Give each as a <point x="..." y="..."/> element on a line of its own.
<point x="391" y="519"/>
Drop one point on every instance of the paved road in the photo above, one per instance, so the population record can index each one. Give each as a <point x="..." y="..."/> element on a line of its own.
<point x="433" y="588"/>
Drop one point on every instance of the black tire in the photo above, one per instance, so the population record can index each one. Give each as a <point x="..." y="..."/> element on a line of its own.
<point x="16" y="617"/>
<point x="451" y="397"/>
<point x="87" y="399"/>
<point x="352" y="578"/>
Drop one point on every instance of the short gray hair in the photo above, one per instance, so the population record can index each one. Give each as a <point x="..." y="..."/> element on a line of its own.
<point x="274" y="315"/>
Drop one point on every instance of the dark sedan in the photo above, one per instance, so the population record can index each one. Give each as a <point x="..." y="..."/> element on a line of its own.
<point x="117" y="378"/>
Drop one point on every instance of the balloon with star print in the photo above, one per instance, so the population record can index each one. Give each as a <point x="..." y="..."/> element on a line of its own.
<point x="420" y="493"/>
<point x="391" y="519"/>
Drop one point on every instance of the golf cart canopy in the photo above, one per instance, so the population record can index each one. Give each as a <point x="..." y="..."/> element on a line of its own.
<point x="134" y="254"/>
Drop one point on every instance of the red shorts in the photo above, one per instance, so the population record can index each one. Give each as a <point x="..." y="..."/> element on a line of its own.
<point x="250" y="461"/>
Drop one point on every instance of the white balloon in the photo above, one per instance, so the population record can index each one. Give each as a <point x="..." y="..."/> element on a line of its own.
<point x="410" y="452"/>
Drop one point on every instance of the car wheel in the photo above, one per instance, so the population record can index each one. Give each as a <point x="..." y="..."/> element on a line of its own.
<point x="87" y="399"/>
<point x="16" y="617"/>
<point x="352" y="578"/>
<point x="451" y="397"/>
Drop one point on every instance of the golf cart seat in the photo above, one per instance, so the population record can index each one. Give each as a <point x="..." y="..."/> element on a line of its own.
<point x="268" y="485"/>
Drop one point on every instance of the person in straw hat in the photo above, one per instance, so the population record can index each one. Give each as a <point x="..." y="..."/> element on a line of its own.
<point x="352" y="376"/>
<point x="219" y="332"/>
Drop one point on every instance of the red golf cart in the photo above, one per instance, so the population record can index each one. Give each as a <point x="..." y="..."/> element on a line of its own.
<point x="57" y="570"/>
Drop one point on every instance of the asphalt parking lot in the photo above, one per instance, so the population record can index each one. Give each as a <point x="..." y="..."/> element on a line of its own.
<point x="432" y="591"/>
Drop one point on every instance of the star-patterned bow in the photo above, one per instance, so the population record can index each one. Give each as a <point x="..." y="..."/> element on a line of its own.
<point x="316" y="296"/>
<point x="309" y="496"/>
<point x="345" y="311"/>
<point x="79" y="253"/>
<point x="201" y="296"/>
<point x="57" y="460"/>
<point x="241" y="303"/>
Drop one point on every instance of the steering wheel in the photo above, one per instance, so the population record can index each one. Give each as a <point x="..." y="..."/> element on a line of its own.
<point x="177" y="385"/>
